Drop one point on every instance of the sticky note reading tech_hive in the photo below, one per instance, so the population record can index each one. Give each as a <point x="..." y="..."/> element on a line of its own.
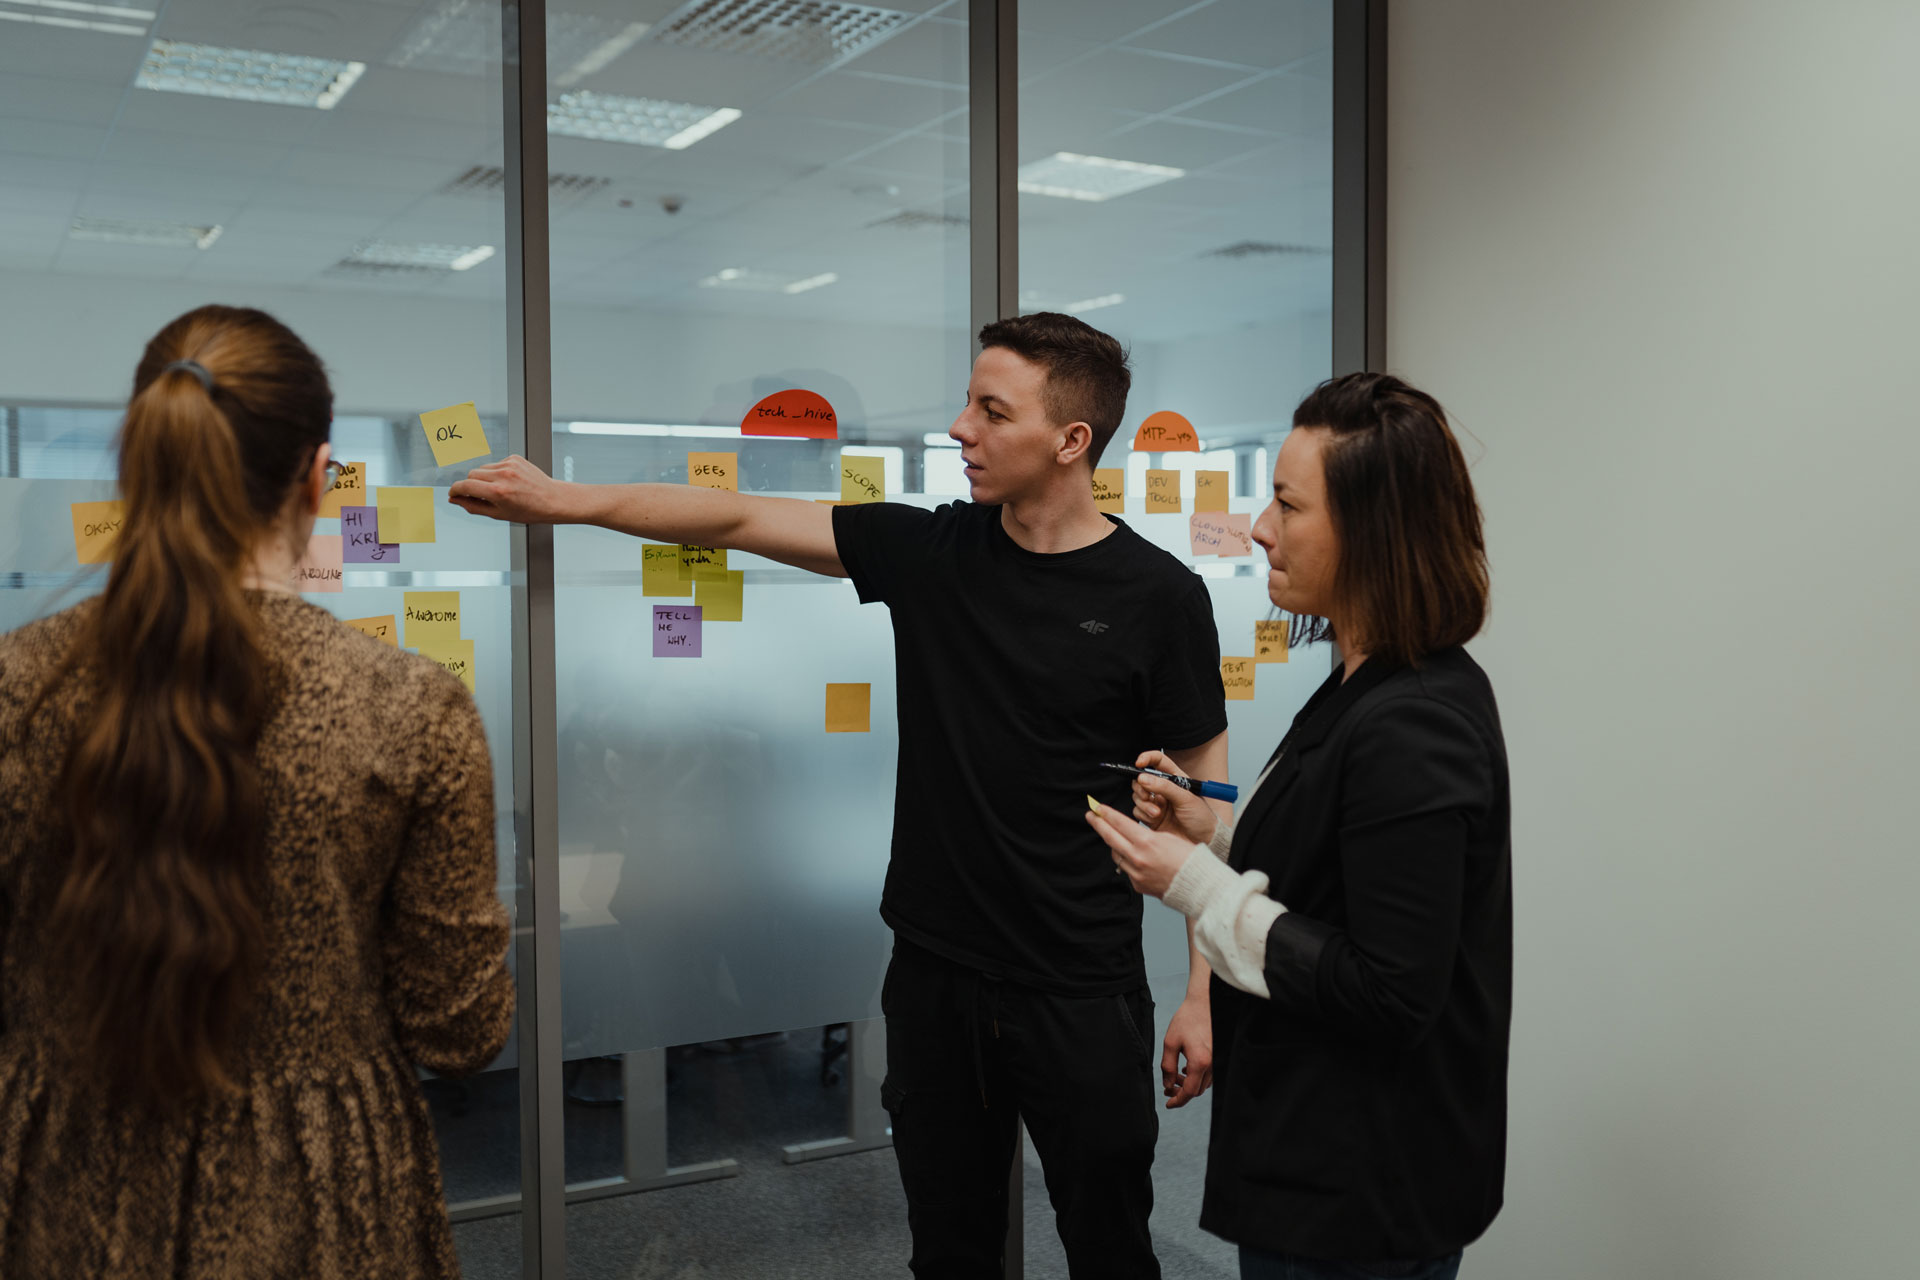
<point x="349" y="488"/>
<point x="95" y="526"/>
<point x="319" y="568"/>
<point x="863" y="478"/>
<point x="850" y="708"/>
<point x="1166" y="432"/>
<point x="795" y="413"/>
<point x="455" y="655"/>
<point x="676" y="631"/>
<point x="432" y="617"/>
<point x="660" y="571"/>
<point x="360" y="538"/>
<point x="1270" y="641"/>
<point x="714" y="470"/>
<point x="1211" y="489"/>
<point x="406" y="514"/>
<point x="1110" y="489"/>
<point x="382" y="629"/>
<point x="455" y="434"/>
<point x="1163" y="491"/>
<point x="722" y="601"/>
<point x="1237" y="675"/>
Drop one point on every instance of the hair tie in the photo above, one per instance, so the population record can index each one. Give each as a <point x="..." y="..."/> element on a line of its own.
<point x="195" y="368"/>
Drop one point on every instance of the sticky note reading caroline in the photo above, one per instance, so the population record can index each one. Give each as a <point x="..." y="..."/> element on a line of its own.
<point x="1239" y="535"/>
<point x="1207" y="531"/>
<point x="1110" y="489"/>
<point x="432" y="617"/>
<point x="792" y="413"/>
<point x="95" y="526"/>
<point x="862" y="478"/>
<point x="1211" y="489"/>
<point x="703" y="564"/>
<point x="660" y="571"/>
<point x="406" y="514"/>
<point x="382" y="629"/>
<point x="1237" y="675"/>
<point x="714" y="470"/>
<point x="676" y="631"/>
<point x="455" y="655"/>
<point x="1166" y="432"/>
<point x="849" y="708"/>
<point x="1270" y="641"/>
<point x="1163" y="491"/>
<point x="455" y="434"/>
<point x="319" y="569"/>
<point x="349" y="487"/>
<point x="360" y="538"/>
<point x="722" y="601"/>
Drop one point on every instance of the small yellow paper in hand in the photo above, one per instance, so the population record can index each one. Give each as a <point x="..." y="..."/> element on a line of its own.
<point x="723" y="601"/>
<point x="714" y="470"/>
<point x="1163" y="490"/>
<point x="1211" y="489"/>
<point x="455" y="655"/>
<point x="455" y="434"/>
<point x="862" y="478"/>
<point x="349" y="490"/>
<point x="849" y="708"/>
<point x="1237" y="675"/>
<point x="1110" y="489"/>
<point x="433" y="617"/>
<point x="1270" y="641"/>
<point x="95" y="526"/>
<point x="381" y="629"/>
<point x="406" y="514"/>
<point x="660" y="571"/>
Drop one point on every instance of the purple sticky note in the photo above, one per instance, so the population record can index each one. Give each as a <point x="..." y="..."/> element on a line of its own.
<point x="360" y="538"/>
<point x="676" y="631"/>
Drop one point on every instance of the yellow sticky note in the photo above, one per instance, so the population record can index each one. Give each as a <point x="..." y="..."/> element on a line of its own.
<point x="381" y="629"/>
<point x="1211" y="490"/>
<point x="349" y="490"/>
<point x="455" y="655"/>
<point x="849" y="708"/>
<point x="714" y="470"/>
<point x="95" y="526"/>
<point x="406" y="514"/>
<point x="432" y="617"/>
<point x="703" y="564"/>
<point x="1163" y="490"/>
<point x="1237" y="675"/>
<point x="862" y="478"/>
<point x="1270" y="641"/>
<point x="660" y="571"/>
<point x="723" y="601"/>
<point x="455" y="434"/>
<point x="1110" y="489"/>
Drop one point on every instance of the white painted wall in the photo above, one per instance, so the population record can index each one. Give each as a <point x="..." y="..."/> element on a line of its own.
<point x="1659" y="257"/>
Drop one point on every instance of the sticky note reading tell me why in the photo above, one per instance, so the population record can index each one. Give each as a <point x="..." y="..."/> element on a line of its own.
<point x="1110" y="489"/>
<point x="95" y="526"/>
<point x="1270" y="641"/>
<point x="349" y="487"/>
<point x="381" y="629"/>
<point x="676" y="631"/>
<point x="360" y="538"/>
<point x="1163" y="491"/>
<point x="862" y="478"/>
<point x="406" y="514"/>
<point x="722" y="601"/>
<point x="660" y="571"/>
<point x="1237" y="675"/>
<point x="319" y="568"/>
<point x="714" y="470"/>
<point x="455" y="434"/>
<point x="849" y="708"/>
<point x="432" y="617"/>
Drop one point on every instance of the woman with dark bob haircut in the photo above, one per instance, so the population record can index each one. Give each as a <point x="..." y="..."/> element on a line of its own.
<point x="1359" y="914"/>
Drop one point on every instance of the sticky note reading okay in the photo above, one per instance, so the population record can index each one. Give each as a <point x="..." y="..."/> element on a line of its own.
<point x="1237" y="675"/>
<point x="455" y="434"/>
<point x="319" y="569"/>
<point x="1270" y="641"/>
<point x="1163" y="491"/>
<point x="381" y="629"/>
<point x="1110" y="489"/>
<point x="862" y="478"/>
<point x="713" y="470"/>
<point x="432" y="617"/>
<point x="849" y="708"/>
<point x="1211" y="490"/>
<point x="349" y="489"/>
<point x="722" y="601"/>
<point x="95" y="526"/>
<point x="660" y="571"/>
<point x="406" y="514"/>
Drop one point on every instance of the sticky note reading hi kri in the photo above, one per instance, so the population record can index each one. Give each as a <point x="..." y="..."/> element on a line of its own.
<point x="1237" y="675"/>
<point x="95" y="526"/>
<point x="455" y="434"/>
<point x="849" y="708"/>
<point x="319" y="568"/>
<point x="360" y="538"/>
<point x="406" y="514"/>
<point x="1110" y="489"/>
<point x="1166" y="432"/>
<point x="863" y="478"/>
<point x="714" y="470"/>
<point x="792" y="413"/>
<point x="432" y="617"/>
<point x="676" y="631"/>
<point x="350" y="486"/>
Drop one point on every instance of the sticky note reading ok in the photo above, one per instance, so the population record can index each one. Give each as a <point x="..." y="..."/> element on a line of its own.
<point x="454" y="655"/>
<point x="319" y="569"/>
<point x="862" y="478"/>
<point x="455" y="434"/>
<point x="1110" y="489"/>
<point x="1211" y="489"/>
<point x="722" y="601"/>
<point x="1163" y="491"/>
<point x="660" y="571"/>
<point x="381" y="629"/>
<point x="360" y="538"/>
<point x="676" y="631"/>
<point x="714" y="470"/>
<point x="433" y="617"/>
<point x="849" y="708"/>
<point x="1270" y="641"/>
<point x="95" y="526"/>
<point x="349" y="487"/>
<point x="406" y="514"/>
<point x="1237" y="675"/>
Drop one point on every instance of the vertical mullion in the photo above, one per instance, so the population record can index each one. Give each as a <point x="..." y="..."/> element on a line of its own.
<point x="993" y="154"/>
<point x="535" y="739"/>
<point x="1359" y="185"/>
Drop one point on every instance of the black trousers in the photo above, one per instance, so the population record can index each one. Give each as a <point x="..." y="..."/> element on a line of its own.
<point x="967" y="1057"/>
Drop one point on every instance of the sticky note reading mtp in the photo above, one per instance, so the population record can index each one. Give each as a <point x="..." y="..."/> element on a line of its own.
<point x="862" y="478"/>
<point x="406" y="514"/>
<point x="319" y="568"/>
<point x="1166" y="432"/>
<point x="381" y="629"/>
<point x="360" y="538"/>
<point x="849" y="708"/>
<point x="1163" y="491"/>
<point x="1110" y="489"/>
<point x="722" y="601"/>
<point x="432" y="617"/>
<point x="1270" y="641"/>
<point x="660" y="571"/>
<point x="349" y="488"/>
<point x="455" y="434"/>
<point x="714" y="470"/>
<point x="1237" y="675"/>
<point x="1211" y="489"/>
<point x="676" y="631"/>
<point x="95" y="526"/>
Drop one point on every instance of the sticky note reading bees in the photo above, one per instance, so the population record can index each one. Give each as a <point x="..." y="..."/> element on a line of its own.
<point x="1211" y="490"/>
<point x="1163" y="491"/>
<point x="349" y="489"/>
<point x="432" y="617"/>
<point x="1270" y="641"/>
<point x="722" y="601"/>
<point x="714" y="470"/>
<point x="1237" y="675"/>
<point x="849" y="708"/>
<point x="1110" y="489"/>
<point x="319" y="569"/>
<point x="406" y="514"/>
<point x="381" y="629"/>
<point x="862" y="478"/>
<point x="95" y="526"/>
<point x="455" y="434"/>
<point x="660" y="571"/>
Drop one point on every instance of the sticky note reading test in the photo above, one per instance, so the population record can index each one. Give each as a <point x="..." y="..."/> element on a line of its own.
<point x="319" y="569"/>
<point x="406" y="514"/>
<point x="381" y="629"/>
<point x="1270" y="641"/>
<point x="660" y="571"/>
<point x="1237" y="675"/>
<point x="455" y="655"/>
<point x="1110" y="489"/>
<point x="862" y="478"/>
<point x="360" y="538"/>
<point x="432" y="617"/>
<point x="455" y="434"/>
<point x="849" y="708"/>
<point x="95" y="526"/>
<point x="1163" y="491"/>
<point x="676" y="631"/>
<point x="1211" y="490"/>
<point x="349" y="487"/>
<point x="714" y="470"/>
<point x="722" y="601"/>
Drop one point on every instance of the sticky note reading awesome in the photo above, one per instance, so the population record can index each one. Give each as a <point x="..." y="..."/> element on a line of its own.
<point x="319" y="569"/>
<point x="660" y="571"/>
<point x="1110" y="489"/>
<point x="714" y="470"/>
<point x="432" y="617"/>
<point x="1211" y="490"/>
<point x="722" y="601"/>
<point x="406" y="514"/>
<point x="676" y="631"/>
<point x="1166" y="432"/>
<point x="1270" y="641"/>
<point x="349" y="487"/>
<point x="1237" y="675"/>
<point x="95" y="526"/>
<point x="862" y="478"/>
<point x="849" y="708"/>
<point x="360" y="538"/>
<point x="381" y="629"/>
<point x="1163" y="491"/>
<point x="455" y="655"/>
<point x="455" y="434"/>
<point x="703" y="564"/>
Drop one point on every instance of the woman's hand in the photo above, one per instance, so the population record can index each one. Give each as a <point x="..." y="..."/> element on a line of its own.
<point x="514" y="489"/>
<point x="1165" y="807"/>
<point x="1149" y="859"/>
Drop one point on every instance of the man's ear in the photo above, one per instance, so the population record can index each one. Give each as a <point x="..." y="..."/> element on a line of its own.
<point x="1075" y="439"/>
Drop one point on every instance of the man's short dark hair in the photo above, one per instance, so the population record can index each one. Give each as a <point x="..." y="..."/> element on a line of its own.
<point x="1087" y="374"/>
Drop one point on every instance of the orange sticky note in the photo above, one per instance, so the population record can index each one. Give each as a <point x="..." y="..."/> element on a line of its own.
<point x="702" y="564"/>
<point x="1166" y="432"/>
<point x="713" y="470"/>
<point x="404" y="514"/>
<point x="1110" y="489"/>
<point x="1270" y="641"/>
<point x="660" y="571"/>
<point x="319" y="568"/>
<point x="792" y="413"/>
<point x="455" y="434"/>
<point x="849" y="708"/>
<point x="1163" y="491"/>
<point x="724" y="600"/>
<point x="454" y="655"/>
<point x="381" y="629"/>
<point x="1211" y="489"/>
<point x="1237" y="675"/>
<point x="863" y="478"/>
<point x="349" y="490"/>
<point x="1238" y="539"/>
<point x="95" y="526"/>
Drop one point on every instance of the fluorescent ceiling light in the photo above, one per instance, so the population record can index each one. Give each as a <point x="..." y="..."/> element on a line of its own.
<point x="165" y="235"/>
<point x="463" y="37"/>
<point x="1076" y="177"/>
<point x="765" y="281"/>
<point x="78" y="24"/>
<point x="656" y="429"/>
<point x="432" y="257"/>
<point x="597" y="58"/>
<point x="472" y="257"/>
<point x="811" y="282"/>
<point x="1094" y="304"/>
<point x="247" y="75"/>
<point x="644" y="122"/>
<point x="75" y="6"/>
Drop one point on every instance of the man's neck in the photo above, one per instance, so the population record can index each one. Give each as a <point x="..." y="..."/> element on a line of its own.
<point x="1055" y="522"/>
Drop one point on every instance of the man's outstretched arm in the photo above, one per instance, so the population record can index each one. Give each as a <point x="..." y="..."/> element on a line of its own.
<point x="790" y="530"/>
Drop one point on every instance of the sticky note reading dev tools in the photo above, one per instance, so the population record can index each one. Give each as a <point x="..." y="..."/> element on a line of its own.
<point x="1110" y="489"/>
<point x="432" y="617"/>
<point x="849" y="708"/>
<point x="455" y="434"/>
<point x="319" y="569"/>
<point x="862" y="478"/>
<point x="1163" y="491"/>
<point x="95" y="526"/>
<point x="406" y="514"/>
<point x="676" y="631"/>
<point x="1237" y="675"/>
<point x="714" y="470"/>
<point x="1270" y="641"/>
<point x="349" y="487"/>
<point x="381" y="629"/>
<point x="660" y="571"/>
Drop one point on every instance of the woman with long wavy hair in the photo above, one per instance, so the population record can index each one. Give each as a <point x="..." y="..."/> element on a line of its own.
<point x="246" y="871"/>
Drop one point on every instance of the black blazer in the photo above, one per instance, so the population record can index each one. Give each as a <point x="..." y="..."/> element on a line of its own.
<point x="1360" y="1112"/>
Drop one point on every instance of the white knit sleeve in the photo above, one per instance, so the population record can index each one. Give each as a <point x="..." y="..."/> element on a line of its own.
<point x="1231" y="916"/>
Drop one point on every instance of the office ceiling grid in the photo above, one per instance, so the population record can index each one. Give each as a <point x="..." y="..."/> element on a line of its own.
<point x="855" y="166"/>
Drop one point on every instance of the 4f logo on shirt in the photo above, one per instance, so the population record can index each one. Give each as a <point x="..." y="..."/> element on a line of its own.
<point x="1093" y="628"/>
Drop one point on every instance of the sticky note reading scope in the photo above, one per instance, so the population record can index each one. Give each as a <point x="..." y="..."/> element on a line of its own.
<point x="1163" y="491"/>
<point x="319" y="568"/>
<point x="863" y="478"/>
<point x="1237" y="675"/>
<point x="1110" y="489"/>
<point x="1166" y="432"/>
<point x="850" y="708"/>
<point x="95" y="526"/>
<point x="349" y="487"/>
<point x="714" y="470"/>
<point x="455" y="434"/>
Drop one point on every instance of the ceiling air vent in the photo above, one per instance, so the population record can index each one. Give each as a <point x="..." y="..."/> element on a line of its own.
<point x="914" y="219"/>
<point x="810" y="31"/>
<point x="1263" y="249"/>
<point x="489" y="182"/>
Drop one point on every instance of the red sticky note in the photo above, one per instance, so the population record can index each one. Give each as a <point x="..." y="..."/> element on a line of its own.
<point x="1166" y="432"/>
<point x="794" y="413"/>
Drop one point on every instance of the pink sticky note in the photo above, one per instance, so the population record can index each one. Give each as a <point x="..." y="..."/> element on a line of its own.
<point x="1239" y="535"/>
<point x="319" y="569"/>
<point x="1207" y="530"/>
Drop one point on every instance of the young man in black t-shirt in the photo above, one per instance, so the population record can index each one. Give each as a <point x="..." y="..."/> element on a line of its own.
<point x="1034" y="638"/>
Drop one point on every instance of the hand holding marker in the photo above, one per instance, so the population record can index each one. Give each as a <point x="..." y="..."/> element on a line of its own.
<point x="1205" y="790"/>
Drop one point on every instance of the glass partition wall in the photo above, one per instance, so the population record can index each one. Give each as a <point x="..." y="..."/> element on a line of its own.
<point x="747" y="203"/>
